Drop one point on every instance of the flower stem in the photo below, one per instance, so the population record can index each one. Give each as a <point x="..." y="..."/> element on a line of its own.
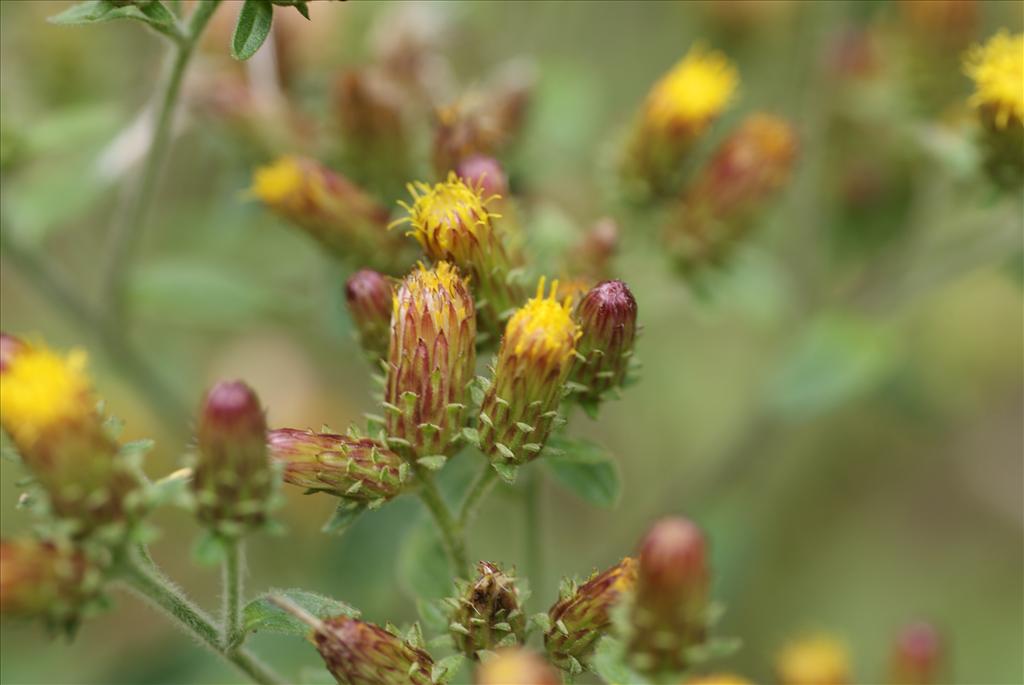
<point x="234" y="564"/>
<point x="450" y="529"/>
<point x="480" y="486"/>
<point x="131" y="221"/>
<point x="142" y="576"/>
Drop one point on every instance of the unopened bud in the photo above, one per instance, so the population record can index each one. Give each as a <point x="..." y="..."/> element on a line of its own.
<point x="670" y="604"/>
<point x="678" y="110"/>
<point x="814" y="660"/>
<point x="998" y="74"/>
<point x="431" y="360"/>
<point x="337" y="213"/>
<point x="485" y="173"/>
<point x="749" y="167"/>
<point x="534" y="360"/>
<point x="368" y="295"/>
<point x="361" y="653"/>
<point x="579" y="619"/>
<point x="607" y="316"/>
<point x="233" y="479"/>
<point x="516" y="666"/>
<point x="486" y="613"/>
<point x="48" y="407"/>
<point x="917" y="656"/>
<point x="44" y="580"/>
<point x="356" y="469"/>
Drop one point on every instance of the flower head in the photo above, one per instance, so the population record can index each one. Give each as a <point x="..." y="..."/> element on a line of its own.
<point x="997" y="69"/>
<point x="697" y="89"/>
<point x="42" y="579"/>
<point x="369" y="295"/>
<point x="516" y="666"/>
<point x="361" y="653"/>
<point x="41" y="390"/>
<point x="607" y="315"/>
<point x="813" y="660"/>
<point x="487" y="612"/>
<point x="917" y="655"/>
<point x="431" y="359"/>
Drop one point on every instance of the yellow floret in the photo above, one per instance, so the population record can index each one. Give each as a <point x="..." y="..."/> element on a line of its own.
<point x="40" y="389"/>
<point x="433" y="289"/>
<point x="694" y="92"/>
<point x="997" y="68"/>
<point x="544" y="325"/>
<point x="442" y="215"/>
<point x="277" y="182"/>
<point x="817" y="660"/>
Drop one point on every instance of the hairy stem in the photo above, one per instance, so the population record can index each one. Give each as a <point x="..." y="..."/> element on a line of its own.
<point x="234" y="565"/>
<point x="450" y="529"/>
<point x="142" y="576"/>
<point x="533" y="534"/>
<point x="131" y="220"/>
<point x="478" y="489"/>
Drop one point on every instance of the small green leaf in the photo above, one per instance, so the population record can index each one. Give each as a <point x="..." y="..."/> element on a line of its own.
<point x="262" y="615"/>
<point x="586" y="469"/>
<point x="208" y="549"/>
<point x="153" y="13"/>
<point x="433" y="614"/>
<point x="447" y="668"/>
<point x="609" y="662"/>
<point x="253" y="27"/>
<point x="343" y="517"/>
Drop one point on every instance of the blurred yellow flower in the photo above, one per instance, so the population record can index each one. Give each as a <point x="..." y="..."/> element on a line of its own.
<point x="277" y="181"/>
<point x="544" y="325"/>
<point x="40" y="389"/>
<point x="814" y="660"/>
<point x="694" y="92"/>
<point x="997" y="68"/>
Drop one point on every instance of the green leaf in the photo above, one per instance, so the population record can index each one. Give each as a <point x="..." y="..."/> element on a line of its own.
<point x="447" y="668"/>
<point x="262" y="615"/>
<point x="610" y="664"/>
<point x="343" y="517"/>
<point x="253" y="27"/>
<point x="586" y="469"/>
<point x="422" y="566"/>
<point x="434" y="615"/>
<point x="153" y="13"/>
<point x="208" y="549"/>
<point x="432" y="463"/>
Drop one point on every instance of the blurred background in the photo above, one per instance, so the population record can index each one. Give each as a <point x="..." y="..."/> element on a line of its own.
<point x="840" y="406"/>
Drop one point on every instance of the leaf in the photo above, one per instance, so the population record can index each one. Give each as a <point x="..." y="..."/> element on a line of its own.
<point x="262" y="615"/>
<point x="586" y="469"/>
<point x="447" y="668"/>
<point x="208" y="549"/>
<point x="432" y="463"/>
<point x="253" y="27"/>
<point x="422" y="566"/>
<point x="434" y="615"/>
<point x="345" y="514"/>
<point x="609" y="663"/>
<point x="153" y="13"/>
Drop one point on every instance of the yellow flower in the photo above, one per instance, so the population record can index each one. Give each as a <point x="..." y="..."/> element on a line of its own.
<point x="279" y="181"/>
<point x="429" y="291"/>
<point x="40" y="389"/>
<point x="815" y="660"/>
<point x="544" y="326"/>
<point x="997" y="69"/>
<point x="719" y="679"/>
<point x="693" y="93"/>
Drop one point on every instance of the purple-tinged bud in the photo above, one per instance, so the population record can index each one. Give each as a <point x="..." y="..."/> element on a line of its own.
<point x="917" y="656"/>
<point x="670" y="603"/>
<point x="233" y="479"/>
<point x="607" y="315"/>
<point x="356" y="469"/>
<point x="361" y="653"/>
<point x="44" y="580"/>
<point x="9" y="346"/>
<point x="368" y="295"/>
<point x="487" y="612"/>
<point x="431" y="360"/>
<point x="485" y="173"/>
<point x="516" y="666"/>
<point x="583" y="615"/>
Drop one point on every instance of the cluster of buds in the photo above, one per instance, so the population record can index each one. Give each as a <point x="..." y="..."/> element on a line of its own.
<point x="676" y="113"/>
<point x="355" y="469"/>
<point x="45" y="580"/>
<point x="516" y="666"/>
<point x="813" y="660"/>
<point x="49" y="409"/>
<point x="583" y="614"/>
<point x="917" y="656"/>
<point x="607" y="316"/>
<point x="452" y="222"/>
<point x="431" y="360"/>
<point x="369" y="295"/>
<point x="668" y="615"/>
<point x="749" y="167"/>
<point x="233" y="479"/>
<point x="486" y="612"/>
<point x="998" y="74"/>
<point x="340" y="215"/>
<point x="534" y="360"/>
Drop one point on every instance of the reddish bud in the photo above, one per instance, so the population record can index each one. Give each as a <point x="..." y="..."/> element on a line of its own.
<point x="607" y="315"/>
<point x="368" y="295"/>
<point x="916" y="656"/>
<point x="9" y="346"/>
<point x="484" y="173"/>
<point x="43" y="580"/>
<point x="361" y="653"/>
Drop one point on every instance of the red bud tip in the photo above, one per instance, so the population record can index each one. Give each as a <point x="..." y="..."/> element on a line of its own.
<point x="231" y="404"/>
<point x="917" y="654"/>
<point x="485" y="173"/>
<point x="674" y="556"/>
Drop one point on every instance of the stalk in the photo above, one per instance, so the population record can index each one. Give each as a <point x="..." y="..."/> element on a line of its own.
<point x="234" y="564"/>
<point x="450" y="529"/>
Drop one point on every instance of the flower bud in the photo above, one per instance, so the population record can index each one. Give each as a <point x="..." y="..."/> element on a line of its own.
<point x="43" y="580"/>
<point x="48" y="408"/>
<point x="750" y="166"/>
<point x="678" y="110"/>
<point x="815" y="660"/>
<point x="431" y="360"/>
<point x="361" y="653"/>
<point x="452" y="223"/>
<point x="607" y="316"/>
<point x="998" y="74"/>
<point x="486" y="613"/>
<point x="516" y="666"/>
<point x="485" y="173"/>
<point x="233" y="479"/>
<point x="917" y="656"/>
<point x="340" y="215"/>
<point x="669" y="612"/>
<point x="583" y="616"/>
<point x="368" y="295"/>
<point x="356" y="469"/>
<point x="536" y="355"/>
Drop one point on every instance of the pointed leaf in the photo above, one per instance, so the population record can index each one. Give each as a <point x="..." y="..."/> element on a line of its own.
<point x="253" y="27"/>
<point x="263" y="615"/>
<point x="587" y="470"/>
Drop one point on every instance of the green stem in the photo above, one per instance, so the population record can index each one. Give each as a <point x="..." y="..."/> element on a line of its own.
<point x="534" y="542"/>
<point x="131" y="222"/>
<point x="147" y="580"/>
<point x="480" y="486"/>
<point x="234" y="563"/>
<point x="450" y="529"/>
